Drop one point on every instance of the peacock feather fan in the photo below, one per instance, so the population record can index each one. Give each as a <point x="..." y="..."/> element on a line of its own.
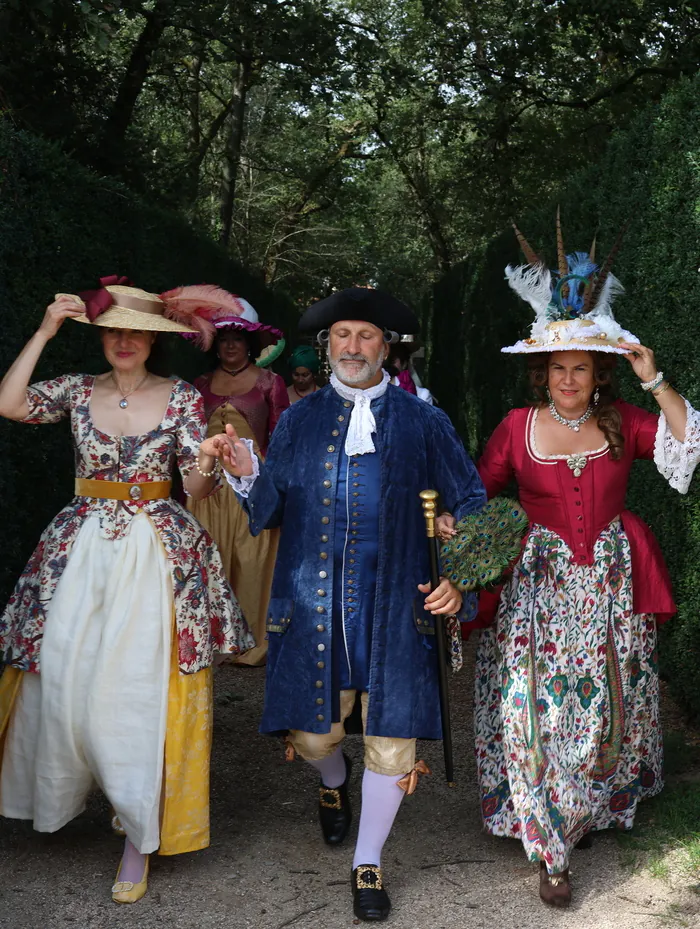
<point x="485" y="546"/>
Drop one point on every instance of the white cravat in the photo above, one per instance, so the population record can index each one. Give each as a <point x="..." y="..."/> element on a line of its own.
<point x="358" y="440"/>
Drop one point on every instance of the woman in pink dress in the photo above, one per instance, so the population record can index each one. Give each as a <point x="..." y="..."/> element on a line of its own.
<point x="251" y="399"/>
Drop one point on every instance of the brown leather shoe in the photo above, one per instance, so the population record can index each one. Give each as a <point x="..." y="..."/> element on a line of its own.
<point x="555" y="889"/>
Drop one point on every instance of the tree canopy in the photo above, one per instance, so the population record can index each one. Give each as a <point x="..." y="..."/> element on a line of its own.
<point x="330" y="142"/>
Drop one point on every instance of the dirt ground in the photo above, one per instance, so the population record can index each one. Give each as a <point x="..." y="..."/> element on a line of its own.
<point x="268" y="868"/>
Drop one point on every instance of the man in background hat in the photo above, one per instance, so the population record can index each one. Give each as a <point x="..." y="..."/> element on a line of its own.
<point x="351" y="615"/>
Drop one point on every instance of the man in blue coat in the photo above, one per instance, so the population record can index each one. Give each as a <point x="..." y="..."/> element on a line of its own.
<point x="349" y="616"/>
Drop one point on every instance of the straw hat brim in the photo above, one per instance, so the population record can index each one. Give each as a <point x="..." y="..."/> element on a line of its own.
<point x="120" y="317"/>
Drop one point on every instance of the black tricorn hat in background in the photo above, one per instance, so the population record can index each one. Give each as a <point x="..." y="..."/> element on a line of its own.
<point x="360" y="303"/>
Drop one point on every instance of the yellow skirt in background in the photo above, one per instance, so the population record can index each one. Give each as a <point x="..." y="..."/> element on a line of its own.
<point x="249" y="562"/>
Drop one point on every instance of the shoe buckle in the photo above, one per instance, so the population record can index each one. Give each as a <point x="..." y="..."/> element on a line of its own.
<point x="330" y="799"/>
<point x="369" y="877"/>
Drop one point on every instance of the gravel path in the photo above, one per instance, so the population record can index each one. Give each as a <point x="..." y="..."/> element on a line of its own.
<point x="268" y="868"/>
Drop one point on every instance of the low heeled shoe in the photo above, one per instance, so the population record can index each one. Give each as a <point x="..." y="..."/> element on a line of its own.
<point x="370" y="901"/>
<point x="334" y="811"/>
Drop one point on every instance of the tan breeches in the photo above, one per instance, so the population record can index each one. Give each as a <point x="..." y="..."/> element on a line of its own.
<point x="383" y="755"/>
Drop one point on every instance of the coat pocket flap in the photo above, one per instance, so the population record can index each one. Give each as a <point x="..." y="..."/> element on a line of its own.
<point x="279" y="614"/>
<point x="424" y="620"/>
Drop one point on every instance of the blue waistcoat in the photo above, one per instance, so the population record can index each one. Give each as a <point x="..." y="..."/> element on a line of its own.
<point x="355" y="570"/>
<point x="416" y="449"/>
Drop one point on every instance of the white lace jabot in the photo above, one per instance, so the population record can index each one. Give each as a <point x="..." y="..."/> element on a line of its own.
<point x="358" y="440"/>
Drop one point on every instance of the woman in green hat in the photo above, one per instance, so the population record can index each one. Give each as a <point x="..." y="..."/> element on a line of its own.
<point x="305" y="366"/>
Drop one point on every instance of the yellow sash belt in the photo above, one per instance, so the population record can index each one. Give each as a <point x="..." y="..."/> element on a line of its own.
<point x="121" y="490"/>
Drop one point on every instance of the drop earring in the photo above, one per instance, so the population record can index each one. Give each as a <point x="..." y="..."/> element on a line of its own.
<point x="596" y="397"/>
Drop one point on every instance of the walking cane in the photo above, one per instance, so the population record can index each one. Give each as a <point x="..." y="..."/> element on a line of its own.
<point x="429" y="500"/>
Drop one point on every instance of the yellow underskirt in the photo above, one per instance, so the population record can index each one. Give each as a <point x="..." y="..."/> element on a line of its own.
<point x="185" y="822"/>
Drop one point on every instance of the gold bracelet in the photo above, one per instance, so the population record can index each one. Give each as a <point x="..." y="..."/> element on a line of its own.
<point x="657" y="393"/>
<point x="208" y="473"/>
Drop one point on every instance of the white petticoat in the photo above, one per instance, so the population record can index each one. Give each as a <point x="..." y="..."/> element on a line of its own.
<point x="98" y="710"/>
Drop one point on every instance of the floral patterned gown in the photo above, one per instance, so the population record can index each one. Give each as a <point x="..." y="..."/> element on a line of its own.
<point x="110" y="635"/>
<point x="566" y="685"/>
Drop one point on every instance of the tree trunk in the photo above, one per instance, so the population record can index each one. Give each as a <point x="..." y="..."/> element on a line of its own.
<point x="232" y="155"/>
<point x="133" y="80"/>
<point x="421" y="189"/>
<point x="194" y="137"/>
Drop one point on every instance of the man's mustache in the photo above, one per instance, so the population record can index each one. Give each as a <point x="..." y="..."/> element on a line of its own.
<point x="346" y="356"/>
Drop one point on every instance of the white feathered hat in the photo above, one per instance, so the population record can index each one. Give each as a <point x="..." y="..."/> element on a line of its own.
<point x="573" y="305"/>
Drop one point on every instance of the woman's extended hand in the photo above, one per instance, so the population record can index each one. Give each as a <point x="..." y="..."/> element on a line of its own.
<point x="642" y="361"/>
<point x="445" y="599"/>
<point x="58" y="312"/>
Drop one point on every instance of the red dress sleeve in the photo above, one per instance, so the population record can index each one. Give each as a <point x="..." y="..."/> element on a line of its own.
<point x="496" y="464"/>
<point x="277" y="401"/>
<point x="642" y="427"/>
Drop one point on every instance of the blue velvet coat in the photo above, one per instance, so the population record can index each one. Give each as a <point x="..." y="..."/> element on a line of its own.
<point x="419" y="449"/>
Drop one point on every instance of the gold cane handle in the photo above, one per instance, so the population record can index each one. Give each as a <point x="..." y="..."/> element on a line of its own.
<point x="429" y="502"/>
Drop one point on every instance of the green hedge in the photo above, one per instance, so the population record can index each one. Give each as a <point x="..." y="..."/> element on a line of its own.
<point x="61" y="228"/>
<point x="650" y="175"/>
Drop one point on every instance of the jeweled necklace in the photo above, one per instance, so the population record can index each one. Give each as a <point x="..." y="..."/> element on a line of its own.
<point x="574" y="424"/>
<point x="123" y="403"/>
<point x="237" y="371"/>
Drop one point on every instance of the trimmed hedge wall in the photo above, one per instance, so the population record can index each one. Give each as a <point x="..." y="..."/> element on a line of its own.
<point x="61" y="228"/>
<point x="650" y="175"/>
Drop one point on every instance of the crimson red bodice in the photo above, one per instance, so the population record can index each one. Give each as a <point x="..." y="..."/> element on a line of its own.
<point x="579" y="508"/>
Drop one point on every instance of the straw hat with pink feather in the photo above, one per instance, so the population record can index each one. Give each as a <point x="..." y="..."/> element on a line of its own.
<point x="117" y="304"/>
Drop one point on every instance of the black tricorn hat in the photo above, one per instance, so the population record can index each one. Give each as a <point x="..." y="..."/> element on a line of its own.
<point x="360" y="303"/>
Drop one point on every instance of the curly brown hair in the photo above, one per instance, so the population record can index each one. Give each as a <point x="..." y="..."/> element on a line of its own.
<point x="606" y="413"/>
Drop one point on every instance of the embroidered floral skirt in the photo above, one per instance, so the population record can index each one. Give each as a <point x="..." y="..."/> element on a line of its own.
<point x="567" y="699"/>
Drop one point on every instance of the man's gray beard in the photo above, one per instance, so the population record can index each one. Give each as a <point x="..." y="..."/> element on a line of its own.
<point x="365" y="374"/>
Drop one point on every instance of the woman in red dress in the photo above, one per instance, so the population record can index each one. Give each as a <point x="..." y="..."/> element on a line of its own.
<point x="567" y="689"/>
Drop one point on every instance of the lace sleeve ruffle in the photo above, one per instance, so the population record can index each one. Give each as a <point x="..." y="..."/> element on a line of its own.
<point x="675" y="460"/>
<point x="243" y="485"/>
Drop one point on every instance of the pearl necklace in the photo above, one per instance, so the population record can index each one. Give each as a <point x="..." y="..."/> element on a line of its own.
<point x="574" y="424"/>
<point x="123" y="403"/>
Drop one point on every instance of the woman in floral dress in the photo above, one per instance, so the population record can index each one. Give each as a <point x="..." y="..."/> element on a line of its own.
<point x="567" y="689"/>
<point x="110" y="634"/>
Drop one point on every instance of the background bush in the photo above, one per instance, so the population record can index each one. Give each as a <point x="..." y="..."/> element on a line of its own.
<point x="651" y="176"/>
<point x="61" y="228"/>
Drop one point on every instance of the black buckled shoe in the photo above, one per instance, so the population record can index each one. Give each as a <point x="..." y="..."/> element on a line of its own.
<point x="334" y="810"/>
<point x="370" y="902"/>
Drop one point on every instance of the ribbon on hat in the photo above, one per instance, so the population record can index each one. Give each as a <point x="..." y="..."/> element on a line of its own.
<point x="99" y="300"/>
